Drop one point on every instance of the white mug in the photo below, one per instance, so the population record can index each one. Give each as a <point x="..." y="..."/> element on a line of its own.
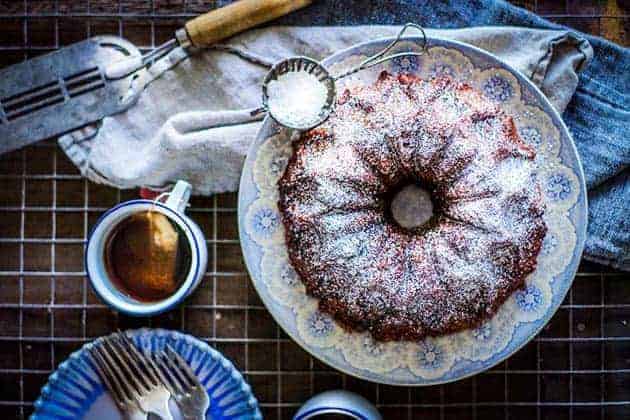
<point x="173" y="208"/>
<point x="342" y="403"/>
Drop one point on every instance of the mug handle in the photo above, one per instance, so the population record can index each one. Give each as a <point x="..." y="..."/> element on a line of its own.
<point x="178" y="197"/>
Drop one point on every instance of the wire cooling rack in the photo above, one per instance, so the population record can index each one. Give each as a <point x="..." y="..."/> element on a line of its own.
<point x="578" y="367"/>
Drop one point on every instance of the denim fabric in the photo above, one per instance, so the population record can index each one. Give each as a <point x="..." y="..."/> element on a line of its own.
<point x="598" y="116"/>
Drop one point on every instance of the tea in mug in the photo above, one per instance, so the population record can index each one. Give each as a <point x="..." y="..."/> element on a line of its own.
<point x="147" y="256"/>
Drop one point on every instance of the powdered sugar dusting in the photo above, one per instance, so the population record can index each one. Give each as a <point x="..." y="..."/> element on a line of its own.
<point x="455" y="270"/>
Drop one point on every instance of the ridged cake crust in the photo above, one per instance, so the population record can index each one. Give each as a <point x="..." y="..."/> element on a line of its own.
<point x="447" y="275"/>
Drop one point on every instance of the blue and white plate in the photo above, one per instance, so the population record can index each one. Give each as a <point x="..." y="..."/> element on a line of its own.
<point x="75" y="391"/>
<point x="455" y="356"/>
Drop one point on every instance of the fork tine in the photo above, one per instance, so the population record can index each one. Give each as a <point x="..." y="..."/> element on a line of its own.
<point x="125" y="379"/>
<point x="114" y="370"/>
<point x="122" y="352"/>
<point x="158" y="366"/>
<point x="137" y="362"/>
<point x="141" y="358"/>
<point x="176" y="371"/>
<point x="184" y="368"/>
<point x="153" y="396"/>
<point x="166" y="380"/>
<point x="113" y="387"/>
<point x="168" y="369"/>
<point x="110" y="367"/>
<point x="170" y="374"/>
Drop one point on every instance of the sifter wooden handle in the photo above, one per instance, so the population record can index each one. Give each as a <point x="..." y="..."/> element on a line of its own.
<point x="222" y="23"/>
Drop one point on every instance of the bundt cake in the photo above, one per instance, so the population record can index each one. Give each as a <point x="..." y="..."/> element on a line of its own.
<point x="448" y="274"/>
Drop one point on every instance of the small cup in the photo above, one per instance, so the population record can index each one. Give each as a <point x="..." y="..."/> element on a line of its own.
<point x="339" y="402"/>
<point x="173" y="208"/>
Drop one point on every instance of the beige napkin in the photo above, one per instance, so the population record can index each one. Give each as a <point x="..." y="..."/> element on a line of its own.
<point x="192" y="120"/>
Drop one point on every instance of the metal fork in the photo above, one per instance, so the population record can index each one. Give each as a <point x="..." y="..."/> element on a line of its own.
<point x="135" y="374"/>
<point x="191" y="397"/>
<point x="123" y="395"/>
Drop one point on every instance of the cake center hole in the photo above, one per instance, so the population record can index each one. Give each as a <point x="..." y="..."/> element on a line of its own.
<point x="412" y="206"/>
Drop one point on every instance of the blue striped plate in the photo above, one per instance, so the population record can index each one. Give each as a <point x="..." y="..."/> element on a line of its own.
<point x="75" y="391"/>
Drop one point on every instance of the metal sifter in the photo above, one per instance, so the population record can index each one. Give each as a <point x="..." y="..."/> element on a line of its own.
<point x="318" y="82"/>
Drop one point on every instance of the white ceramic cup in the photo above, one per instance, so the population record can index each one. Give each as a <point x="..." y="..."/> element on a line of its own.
<point x="339" y="402"/>
<point x="173" y="208"/>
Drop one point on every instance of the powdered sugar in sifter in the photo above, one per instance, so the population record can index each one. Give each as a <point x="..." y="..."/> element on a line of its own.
<point x="299" y="92"/>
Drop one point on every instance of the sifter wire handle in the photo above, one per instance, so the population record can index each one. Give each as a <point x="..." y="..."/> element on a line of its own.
<point x="380" y="57"/>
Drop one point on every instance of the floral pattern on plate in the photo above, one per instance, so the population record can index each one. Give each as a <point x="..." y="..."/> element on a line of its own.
<point x="498" y="85"/>
<point x="431" y="357"/>
<point x="447" y="62"/>
<point x="560" y="187"/>
<point x="264" y="223"/>
<point x="364" y="350"/>
<point x="558" y="243"/>
<point x="491" y="336"/>
<point x="454" y="356"/>
<point x="533" y="301"/>
<point x="537" y="129"/>
<point x="270" y="167"/>
<point x="317" y="327"/>
<point x="284" y="282"/>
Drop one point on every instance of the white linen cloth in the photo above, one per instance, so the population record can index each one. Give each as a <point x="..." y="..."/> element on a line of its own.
<point x="192" y="121"/>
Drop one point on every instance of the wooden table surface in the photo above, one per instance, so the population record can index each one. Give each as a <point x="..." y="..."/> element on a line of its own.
<point x="578" y="367"/>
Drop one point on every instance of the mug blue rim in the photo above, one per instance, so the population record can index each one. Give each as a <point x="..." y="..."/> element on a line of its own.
<point x="171" y="212"/>
<point x="324" y="409"/>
